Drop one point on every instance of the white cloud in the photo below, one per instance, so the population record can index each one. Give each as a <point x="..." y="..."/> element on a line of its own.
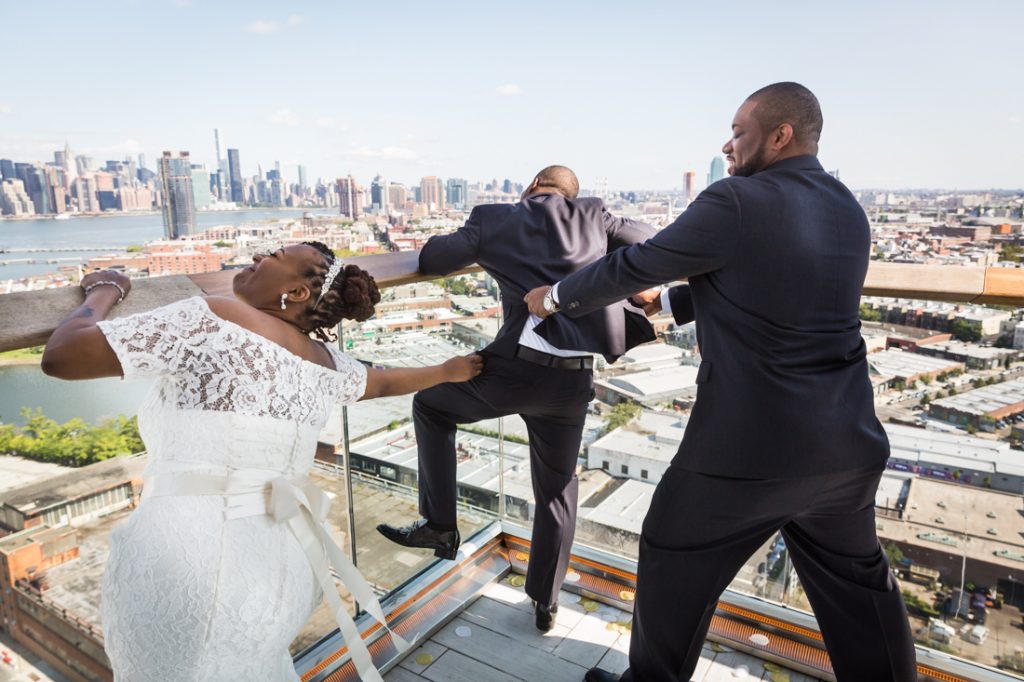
<point x="284" y="117"/>
<point x="509" y="89"/>
<point x="1012" y="119"/>
<point x="264" y="26"/>
<point x="399" y="153"/>
<point x="4" y="109"/>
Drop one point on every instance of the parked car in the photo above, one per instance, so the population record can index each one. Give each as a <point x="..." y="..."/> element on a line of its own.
<point x="977" y="634"/>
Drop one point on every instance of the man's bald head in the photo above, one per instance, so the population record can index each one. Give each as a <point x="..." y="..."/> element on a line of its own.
<point x="790" y="103"/>
<point x="555" y="179"/>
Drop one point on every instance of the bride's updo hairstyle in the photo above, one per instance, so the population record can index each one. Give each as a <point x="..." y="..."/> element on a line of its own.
<point x="352" y="295"/>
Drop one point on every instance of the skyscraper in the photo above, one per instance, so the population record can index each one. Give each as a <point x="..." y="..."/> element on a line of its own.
<point x="235" y="173"/>
<point x="13" y="198"/>
<point x="397" y="196"/>
<point x="689" y="186"/>
<point x="201" y="186"/>
<point x="84" y="164"/>
<point x="379" y="195"/>
<point x="179" y="199"/>
<point x="717" y="171"/>
<point x="432" y="193"/>
<point x="37" y="186"/>
<point x="457" y="192"/>
<point x="7" y="170"/>
<point x="350" y="197"/>
<point x="302" y="179"/>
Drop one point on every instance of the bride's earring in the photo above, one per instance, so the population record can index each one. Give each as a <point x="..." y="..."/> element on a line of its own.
<point x="283" y="298"/>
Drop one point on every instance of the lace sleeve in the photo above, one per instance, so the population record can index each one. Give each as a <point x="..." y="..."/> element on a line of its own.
<point x="351" y="377"/>
<point x="162" y="341"/>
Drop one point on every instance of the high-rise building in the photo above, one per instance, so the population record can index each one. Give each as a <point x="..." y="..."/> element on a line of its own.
<point x="302" y="179"/>
<point x="142" y="160"/>
<point x="235" y="173"/>
<point x="350" y="197"/>
<point x="717" y="171"/>
<point x="398" y="196"/>
<point x="379" y="195"/>
<point x="201" y="186"/>
<point x="432" y="193"/>
<point x="179" y="207"/>
<point x="222" y="175"/>
<point x="13" y="198"/>
<point x="7" y="170"/>
<point x="457" y="192"/>
<point x="86" y="193"/>
<point x="689" y="186"/>
<point x="37" y="185"/>
<point x="84" y="164"/>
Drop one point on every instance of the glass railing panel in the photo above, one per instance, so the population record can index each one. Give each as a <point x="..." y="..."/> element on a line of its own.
<point x="415" y="326"/>
<point x="949" y="510"/>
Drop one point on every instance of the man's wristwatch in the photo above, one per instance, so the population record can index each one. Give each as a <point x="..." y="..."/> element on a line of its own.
<point x="550" y="304"/>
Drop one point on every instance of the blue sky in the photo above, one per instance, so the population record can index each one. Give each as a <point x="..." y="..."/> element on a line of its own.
<point x="914" y="94"/>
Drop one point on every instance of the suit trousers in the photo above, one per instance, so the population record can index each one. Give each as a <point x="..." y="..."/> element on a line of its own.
<point x="553" y="403"/>
<point x="700" y="531"/>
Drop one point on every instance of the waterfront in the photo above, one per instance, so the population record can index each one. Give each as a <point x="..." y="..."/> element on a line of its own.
<point x="27" y="386"/>
<point x="119" y="230"/>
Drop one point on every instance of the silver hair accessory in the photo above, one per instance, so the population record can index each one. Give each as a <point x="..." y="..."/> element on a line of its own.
<point x="336" y="267"/>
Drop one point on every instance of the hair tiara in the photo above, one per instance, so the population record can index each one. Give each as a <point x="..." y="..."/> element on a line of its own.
<point x="332" y="274"/>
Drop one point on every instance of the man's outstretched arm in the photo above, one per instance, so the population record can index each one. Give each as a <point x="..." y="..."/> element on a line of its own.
<point x="450" y="252"/>
<point x="701" y="240"/>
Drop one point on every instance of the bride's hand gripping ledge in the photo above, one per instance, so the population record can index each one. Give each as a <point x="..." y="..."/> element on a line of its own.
<point x="399" y="381"/>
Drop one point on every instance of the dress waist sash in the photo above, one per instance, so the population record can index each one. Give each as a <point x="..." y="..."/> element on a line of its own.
<point x="302" y="506"/>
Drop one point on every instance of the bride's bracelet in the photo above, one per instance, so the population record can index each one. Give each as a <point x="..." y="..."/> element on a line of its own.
<point x="105" y="282"/>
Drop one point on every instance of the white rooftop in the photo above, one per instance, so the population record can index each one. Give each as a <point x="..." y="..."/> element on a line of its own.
<point x="982" y="401"/>
<point x="949" y="449"/>
<point x="902" y="365"/>
<point x="625" y="508"/>
<point x="657" y="382"/>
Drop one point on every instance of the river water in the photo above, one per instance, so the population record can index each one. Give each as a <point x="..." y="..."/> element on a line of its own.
<point x="27" y="386"/>
<point x="118" y="230"/>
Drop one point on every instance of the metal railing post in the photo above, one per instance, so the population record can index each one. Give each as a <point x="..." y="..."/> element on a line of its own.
<point x="346" y="444"/>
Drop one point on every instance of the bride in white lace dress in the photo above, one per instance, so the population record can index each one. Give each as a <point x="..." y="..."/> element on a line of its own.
<point x="226" y="557"/>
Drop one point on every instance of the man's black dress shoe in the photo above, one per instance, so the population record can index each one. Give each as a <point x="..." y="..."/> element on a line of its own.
<point x="445" y="543"/>
<point x="545" y="615"/>
<point x="598" y="675"/>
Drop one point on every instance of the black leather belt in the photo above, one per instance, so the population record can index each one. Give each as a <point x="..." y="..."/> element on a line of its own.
<point x="558" y="362"/>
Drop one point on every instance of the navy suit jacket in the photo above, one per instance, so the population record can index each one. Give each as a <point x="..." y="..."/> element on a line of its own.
<point x="536" y="242"/>
<point x="775" y="264"/>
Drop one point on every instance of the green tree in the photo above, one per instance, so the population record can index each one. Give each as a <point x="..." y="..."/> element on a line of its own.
<point x="622" y="414"/>
<point x="221" y="243"/>
<point x="1011" y="252"/>
<point x="894" y="554"/>
<point x="965" y="331"/>
<point x="73" y="443"/>
<point x="457" y="286"/>
<point x="926" y="399"/>
<point x="869" y="314"/>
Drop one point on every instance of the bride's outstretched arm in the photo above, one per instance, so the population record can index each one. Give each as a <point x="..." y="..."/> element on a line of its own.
<point x="398" y="381"/>
<point x="77" y="348"/>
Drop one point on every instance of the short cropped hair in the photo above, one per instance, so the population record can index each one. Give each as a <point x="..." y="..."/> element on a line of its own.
<point x="790" y="103"/>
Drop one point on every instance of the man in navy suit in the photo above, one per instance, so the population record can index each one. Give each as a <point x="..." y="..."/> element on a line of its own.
<point x="541" y="370"/>
<point x="783" y="434"/>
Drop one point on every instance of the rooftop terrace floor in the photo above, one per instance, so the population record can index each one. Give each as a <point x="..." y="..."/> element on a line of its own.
<point x="495" y="640"/>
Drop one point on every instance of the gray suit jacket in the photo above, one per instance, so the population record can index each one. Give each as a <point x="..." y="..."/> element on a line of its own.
<point x="536" y="242"/>
<point x="775" y="263"/>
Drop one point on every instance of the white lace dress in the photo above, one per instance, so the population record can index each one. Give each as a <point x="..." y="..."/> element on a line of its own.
<point x="192" y="592"/>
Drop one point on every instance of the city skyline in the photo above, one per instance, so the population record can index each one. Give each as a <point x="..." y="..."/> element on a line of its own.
<point x="912" y="98"/>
